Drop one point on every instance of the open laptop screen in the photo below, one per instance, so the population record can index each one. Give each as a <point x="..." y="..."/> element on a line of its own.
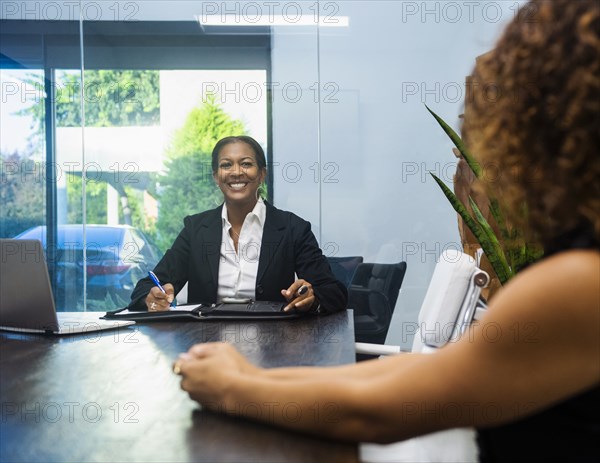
<point x="26" y="300"/>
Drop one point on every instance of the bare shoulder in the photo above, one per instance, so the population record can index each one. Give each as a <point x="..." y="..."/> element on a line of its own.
<point x="569" y="281"/>
<point x="553" y="306"/>
<point x="578" y="262"/>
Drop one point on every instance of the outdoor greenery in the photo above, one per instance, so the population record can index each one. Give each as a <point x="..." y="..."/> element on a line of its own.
<point x="508" y="252"/>
<point x="188" y="186"/>
<point x="22" y="198"/>
<point x="112" y="99"/>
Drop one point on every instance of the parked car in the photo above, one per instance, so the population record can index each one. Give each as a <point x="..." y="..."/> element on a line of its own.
<point x="117" y="256"/>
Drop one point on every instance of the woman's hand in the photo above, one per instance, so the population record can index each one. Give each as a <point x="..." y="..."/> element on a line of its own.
<point x="300" y="296"/>
<point x="208" y="369"/>
<point x="157" y="301"/>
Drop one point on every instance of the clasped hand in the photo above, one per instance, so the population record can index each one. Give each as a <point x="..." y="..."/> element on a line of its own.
<point x="208" y="370"/>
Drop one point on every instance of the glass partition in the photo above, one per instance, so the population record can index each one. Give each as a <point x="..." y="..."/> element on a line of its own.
<point x="334" y="91"/>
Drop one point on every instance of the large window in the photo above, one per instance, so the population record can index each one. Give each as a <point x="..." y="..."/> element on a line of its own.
<point x="103" y="161"/>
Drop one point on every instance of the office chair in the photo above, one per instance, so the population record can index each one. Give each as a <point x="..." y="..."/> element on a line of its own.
<point x="343" y="268"/>
<point x="451" y="304"/>
<point x="372" y="295"/>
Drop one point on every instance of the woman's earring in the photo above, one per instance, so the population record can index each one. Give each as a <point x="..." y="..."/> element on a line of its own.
<point x="261" y="192"/>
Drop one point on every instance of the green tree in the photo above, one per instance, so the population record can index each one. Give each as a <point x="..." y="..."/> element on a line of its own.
<point x="112" y="98"/>
<point x="187" y="187"/>
<point x="21" y="194"/>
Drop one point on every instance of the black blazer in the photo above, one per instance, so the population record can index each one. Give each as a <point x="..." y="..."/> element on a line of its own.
<point x="288" y="247"/>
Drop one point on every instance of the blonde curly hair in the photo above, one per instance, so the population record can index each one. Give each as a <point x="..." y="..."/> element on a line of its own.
<point x="534" y="119"/>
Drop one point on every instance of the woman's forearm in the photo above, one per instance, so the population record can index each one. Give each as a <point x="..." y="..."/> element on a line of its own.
<point x="327" y="401"/>
<point x="361" y="370"/>
<point x="319" y="405"/>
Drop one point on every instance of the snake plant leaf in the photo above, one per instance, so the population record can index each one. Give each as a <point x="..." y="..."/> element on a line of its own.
<point x="459" y="208"/>
<point x="499" y="218"/>
<point x="473" y="164"/>
<point x="509" y="253"/>
<point x="475" y="228"/>
<point x="496" y="258"/>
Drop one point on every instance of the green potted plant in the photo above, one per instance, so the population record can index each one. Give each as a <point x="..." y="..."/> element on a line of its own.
<point x="506" y="251"/>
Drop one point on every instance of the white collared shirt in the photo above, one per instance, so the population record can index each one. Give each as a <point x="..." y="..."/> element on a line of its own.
<point x="238" y="270"/>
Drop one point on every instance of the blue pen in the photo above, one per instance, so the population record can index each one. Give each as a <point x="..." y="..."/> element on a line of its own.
<point x="157" y="283"/>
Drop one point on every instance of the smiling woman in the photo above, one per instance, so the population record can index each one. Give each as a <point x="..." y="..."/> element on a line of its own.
<point x="245" y="248"/>
<point x="239" y="168"/>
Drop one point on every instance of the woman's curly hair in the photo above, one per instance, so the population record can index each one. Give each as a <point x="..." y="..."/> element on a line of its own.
<point x="534" y="118"/>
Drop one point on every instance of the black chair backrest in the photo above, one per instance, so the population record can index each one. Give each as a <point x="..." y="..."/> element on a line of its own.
<point x="343" y="268"/>
<point x="384" y="278"/>
<point x="372" y="296"/>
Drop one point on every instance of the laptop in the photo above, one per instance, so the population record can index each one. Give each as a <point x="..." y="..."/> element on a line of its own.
<point x="26" y="300"/>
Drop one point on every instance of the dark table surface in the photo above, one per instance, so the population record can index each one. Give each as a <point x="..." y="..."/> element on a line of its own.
<point x="111" y="396"/>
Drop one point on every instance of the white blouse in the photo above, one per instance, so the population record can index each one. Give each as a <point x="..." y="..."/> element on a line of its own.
<point x="238" y="270"/>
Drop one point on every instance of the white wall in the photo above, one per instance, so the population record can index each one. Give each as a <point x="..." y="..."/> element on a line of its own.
<point x="380" y="140"/>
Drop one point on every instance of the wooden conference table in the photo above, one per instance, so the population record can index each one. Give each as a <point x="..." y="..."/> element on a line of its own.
<point x="111" y="396"/>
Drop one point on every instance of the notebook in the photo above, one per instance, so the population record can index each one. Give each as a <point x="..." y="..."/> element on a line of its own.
<point x="252" y="310"/>
<point x="26" y="300"/>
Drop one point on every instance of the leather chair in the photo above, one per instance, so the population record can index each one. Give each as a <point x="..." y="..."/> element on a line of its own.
<point x="372" y="295"/>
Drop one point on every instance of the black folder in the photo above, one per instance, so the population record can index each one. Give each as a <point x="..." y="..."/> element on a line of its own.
<point x="254" y="310"/>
